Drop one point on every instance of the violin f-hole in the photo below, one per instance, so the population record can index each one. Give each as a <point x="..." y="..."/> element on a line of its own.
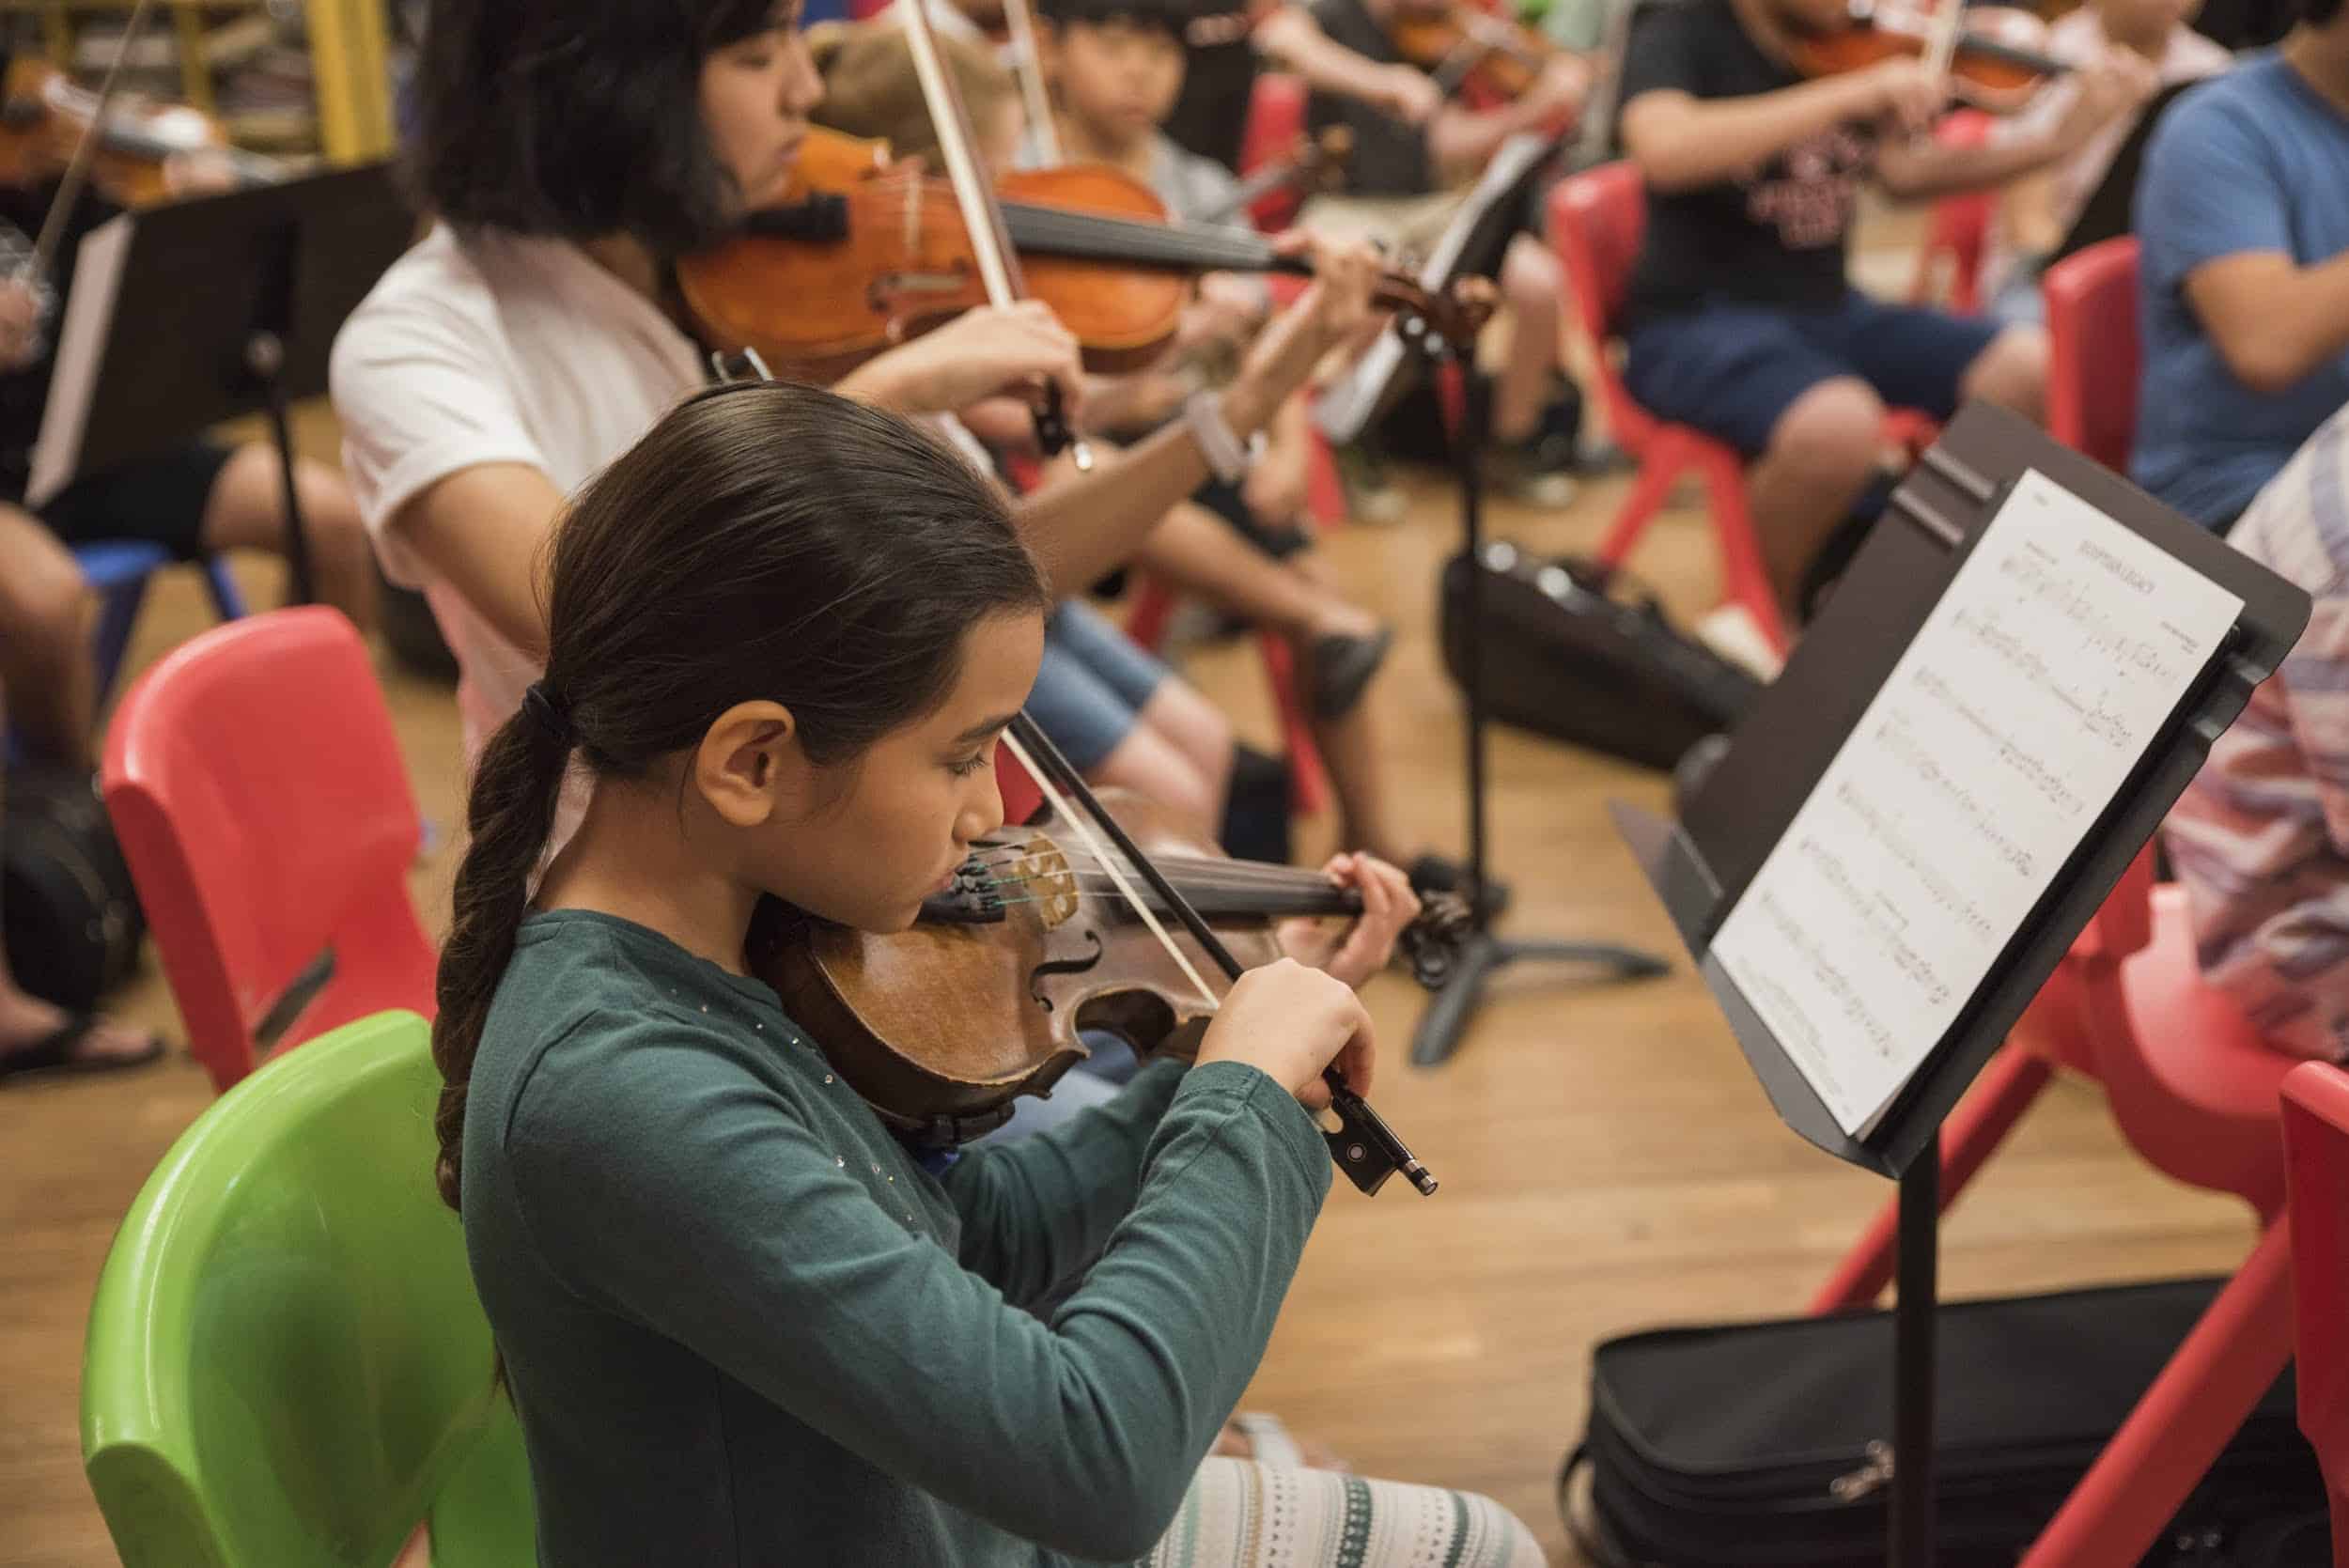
<point x="1062" y="966"/>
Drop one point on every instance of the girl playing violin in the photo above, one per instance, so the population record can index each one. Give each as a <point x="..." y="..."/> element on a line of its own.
<point x="572" y="150"/>
<point x="740" y="1321"/>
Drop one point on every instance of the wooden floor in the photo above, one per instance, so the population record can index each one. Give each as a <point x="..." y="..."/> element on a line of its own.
<point x="1608" y="1163"/>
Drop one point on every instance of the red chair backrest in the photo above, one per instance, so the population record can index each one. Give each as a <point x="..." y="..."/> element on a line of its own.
<point x="2316" y="1170"/>
<point x="256" y="783"/>
<point x="2092" y="350"/>
<point x="2084" y="997"/>
<point x="1597" y="219"/>
<point x="1276" y="117"/>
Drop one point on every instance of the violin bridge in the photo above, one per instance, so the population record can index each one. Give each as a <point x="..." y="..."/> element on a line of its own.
<point x="1050" y="883"/>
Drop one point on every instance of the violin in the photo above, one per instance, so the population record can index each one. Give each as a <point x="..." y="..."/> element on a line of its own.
<point x="859" y="265"/>
<point x="1996" y="55"/>
<point x="1468" y="48"/>
<point x="48" y="126"/>
<point x="984" y="999"/>
<point x="44" y="117"/>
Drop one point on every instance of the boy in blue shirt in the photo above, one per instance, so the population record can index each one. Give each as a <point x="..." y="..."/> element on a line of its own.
<point x="2243" y="288"/>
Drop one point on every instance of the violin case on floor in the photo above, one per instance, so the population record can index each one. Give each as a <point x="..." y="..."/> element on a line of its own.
<point x="1585" y="655"/>
<point x="69" y="916"/>
<point x="1767" y="1445"/>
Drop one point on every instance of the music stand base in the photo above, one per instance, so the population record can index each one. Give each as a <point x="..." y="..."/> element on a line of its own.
<point x="1447" y="1015"/>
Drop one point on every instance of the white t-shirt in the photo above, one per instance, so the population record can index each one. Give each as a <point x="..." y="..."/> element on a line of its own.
<point x="498" y="349"/>
<point x="494" y="348"/>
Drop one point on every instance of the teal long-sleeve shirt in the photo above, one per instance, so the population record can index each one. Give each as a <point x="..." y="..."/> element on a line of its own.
<point x="743" y="1326"/>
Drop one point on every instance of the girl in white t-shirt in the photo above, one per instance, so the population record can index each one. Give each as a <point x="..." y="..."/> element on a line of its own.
<point x="571" y="149"/>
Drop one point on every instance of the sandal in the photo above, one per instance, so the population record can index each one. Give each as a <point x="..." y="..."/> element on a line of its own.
<point x="1340" y="667"/>
<point x="54" y="1052"/>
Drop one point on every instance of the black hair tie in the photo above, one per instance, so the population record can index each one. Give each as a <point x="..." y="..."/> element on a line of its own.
<point x="549" y="713"/>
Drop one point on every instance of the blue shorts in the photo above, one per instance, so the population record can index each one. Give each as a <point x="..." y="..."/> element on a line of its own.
<point x="1731" y="369"/>
<point x="1092" y="685"/>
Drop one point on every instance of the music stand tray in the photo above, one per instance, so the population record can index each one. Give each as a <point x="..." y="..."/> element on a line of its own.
<point x="1699" y="867"/>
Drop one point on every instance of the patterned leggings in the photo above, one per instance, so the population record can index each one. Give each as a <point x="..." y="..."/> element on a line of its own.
<point x="1243" y="1514"/>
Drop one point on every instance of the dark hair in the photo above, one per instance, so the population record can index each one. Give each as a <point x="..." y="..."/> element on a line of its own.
<point x="1172" y="16"/>
<point x="2319" y="13"/>
<point x="550" y="117"/>
<point x="763" y="541"/>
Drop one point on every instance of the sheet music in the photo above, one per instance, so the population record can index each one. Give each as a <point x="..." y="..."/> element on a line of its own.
<point x="2039" y="680"/>
<point x="89" y="309"/>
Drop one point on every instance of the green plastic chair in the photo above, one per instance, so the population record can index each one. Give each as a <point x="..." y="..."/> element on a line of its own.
<point x="286" y="1365"/>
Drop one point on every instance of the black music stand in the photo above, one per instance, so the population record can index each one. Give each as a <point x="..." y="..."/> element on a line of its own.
<point x="1699" y="867"/>
<point x="182" y="316"/>
<point x="1402" y="352"/>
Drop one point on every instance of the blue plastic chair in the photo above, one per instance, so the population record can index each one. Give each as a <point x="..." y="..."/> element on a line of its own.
<point x="118" y="569"/>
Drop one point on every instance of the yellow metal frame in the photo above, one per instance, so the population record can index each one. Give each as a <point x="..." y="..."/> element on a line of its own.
<point x="348" y="60"/>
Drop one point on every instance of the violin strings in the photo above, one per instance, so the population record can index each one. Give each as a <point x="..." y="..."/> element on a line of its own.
<point x="1266" y="889"/>
<point x="1209" y="874"/>
<point x="1043" y="223"/>
<point x="1099" y="896"/>
<point x="1132" y="238"/>
<point x="1210" y="871"/>
<point x="1085" y="834"/>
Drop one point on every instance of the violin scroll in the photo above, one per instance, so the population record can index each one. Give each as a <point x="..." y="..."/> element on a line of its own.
<point x="1455" y="315"/>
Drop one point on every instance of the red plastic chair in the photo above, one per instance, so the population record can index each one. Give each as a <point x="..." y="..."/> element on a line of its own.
<point x="1959" y="230"/>
<point x="2197" y="1093"/>
<point x="2316" y="1159"/>
<point x="2092" y="350"/>
<point x="1597" y="219"/>
<point x="256" y="784"/>
<point x="1276" y="118"/>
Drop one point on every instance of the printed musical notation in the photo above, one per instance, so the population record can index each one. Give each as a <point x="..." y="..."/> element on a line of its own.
<point x="2051" y="663"/>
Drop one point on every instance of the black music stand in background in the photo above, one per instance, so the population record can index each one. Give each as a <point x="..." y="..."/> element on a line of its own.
<point x="184" y="316"/>
<point x="1702" y="866"/>
<point x="1399" y="358"/>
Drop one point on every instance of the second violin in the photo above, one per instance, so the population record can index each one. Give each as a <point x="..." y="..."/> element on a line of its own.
<point x="825" y="283"/>
<point x="1997" y="59"/>
<point x="1467" y="48"/>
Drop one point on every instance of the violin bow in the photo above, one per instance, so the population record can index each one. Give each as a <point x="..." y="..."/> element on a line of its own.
<point x="990" y="242"/>
<point x="1027" y="68"/>
<point x="1362" y="1145"/>
<point x="77" y="167"/>
<point x="1948" y="18"/>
